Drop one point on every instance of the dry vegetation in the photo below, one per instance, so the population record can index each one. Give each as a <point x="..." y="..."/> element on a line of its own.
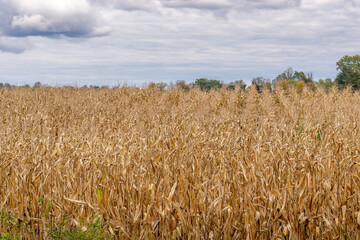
<point x="168" y="164"/>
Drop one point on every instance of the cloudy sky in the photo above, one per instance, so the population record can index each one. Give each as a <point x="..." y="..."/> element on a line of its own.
<point x="106" y="42"/>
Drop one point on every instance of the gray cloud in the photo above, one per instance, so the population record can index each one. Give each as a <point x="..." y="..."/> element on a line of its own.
<point x="12" y="45"/>
<point x="211" y="5"/>
<point x="70" y="25"/>
<point x="127" y="5"/>
<point x="273" y="4"/>
<point x="21" y="19"/>
<point x="198" y="4"/>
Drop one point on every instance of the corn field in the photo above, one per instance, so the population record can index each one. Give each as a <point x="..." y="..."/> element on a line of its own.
<point x="171" y="164"/>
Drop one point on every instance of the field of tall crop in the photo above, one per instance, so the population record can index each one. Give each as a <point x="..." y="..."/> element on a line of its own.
<point x="132" y="163"/>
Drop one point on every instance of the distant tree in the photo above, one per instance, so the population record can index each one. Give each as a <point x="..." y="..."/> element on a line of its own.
<point x="161" y="86"/>
<point x="282" y="84"/>
<point x="181" y="84"/>
<point x="301" y="76"/>
<point x="288" y="74"/>
<point x="171" y="85"/>
<point x="238" y="83"/>
<point x="292" y="78"/>
<point x="311" y="85"/>
<point x="1" y="85"/>
<point x="292" y="82"/>
<point x="152" y="85"/>
<point x="206" y="84"/>
<point x="230" y="87"/>
<point x="261" y="83"/>
<point x="326" y="84"/>
<point x="349" y="75"/>
<point x="37" y="85"/>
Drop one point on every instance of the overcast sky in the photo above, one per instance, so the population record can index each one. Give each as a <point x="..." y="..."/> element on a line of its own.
<point x="106" y="42"/>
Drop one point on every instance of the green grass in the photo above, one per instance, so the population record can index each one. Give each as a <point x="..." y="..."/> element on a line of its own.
<point x="90" y="230"/>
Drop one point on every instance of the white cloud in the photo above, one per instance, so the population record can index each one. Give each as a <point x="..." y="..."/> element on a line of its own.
<point x="128" y="5"/>
<point x="12" y="45"/>
<point x="199" y="4"/>
<point x="35" y="22"/>
<point x="325" y="4"/>
<point x="73" y="18"/>
<point x="212" y="5"/>
<point x="52" y="5"/>
<point x="273" y="4"/>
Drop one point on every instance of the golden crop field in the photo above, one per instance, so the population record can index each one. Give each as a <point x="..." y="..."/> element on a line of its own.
<point x="151" y="164"/>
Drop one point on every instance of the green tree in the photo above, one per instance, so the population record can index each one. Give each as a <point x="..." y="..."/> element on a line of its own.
<point x="326" y="84"/>
<point x="294" y="77"/>
<point x="288" y="74"/>
<point x="181" y="84"/>
<point x="238" y="83"/>
<point x="206" y="84"/>
<point x="261" y="83"/>
<point x="301" y="76"/>
<point x="349" y="75"/>
<point x="37" y="85"/>
<point x="161" y="86"/>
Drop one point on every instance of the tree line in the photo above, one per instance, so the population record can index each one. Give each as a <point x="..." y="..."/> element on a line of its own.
<point x="348" y="76"/>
